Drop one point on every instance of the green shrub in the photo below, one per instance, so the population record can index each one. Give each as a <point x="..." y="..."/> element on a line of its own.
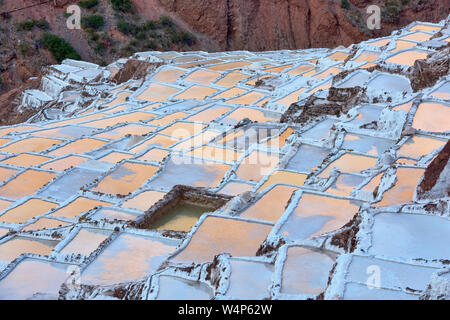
<point x="150" y="25"/>
<point x="26" y="25"/>
<point x="42" y="24"/>
<point x="392" y="9"/>
<point x="141" y="35"/>
<point x="30" y="24"/>
<point x="345" y="4"/>
<point x="165" y="21"/>
<point x="88" y="4"/>
<point x="175" y="37"/>
<point x="187" y="38"/>
<point x="122" y="5"/>
<point x="94" y="22"/>
<point x="24" y="49"/>
<point x="59" y="47"/>
<point x="150" y="45"/>
<point x="125" y="27"/>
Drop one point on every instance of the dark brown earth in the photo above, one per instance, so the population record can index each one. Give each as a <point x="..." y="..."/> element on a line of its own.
<point x="134" y="69"/>
<point x="434" y="170"/>
<point x="427" y="72"/>
<point x="339" y="101"/>
<point x="9" y="100"/>
<point x="346" y="237"/>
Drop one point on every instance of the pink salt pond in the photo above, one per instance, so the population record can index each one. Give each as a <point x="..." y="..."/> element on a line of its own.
<point x="223" y="235"/>
<point x="316" y="215"/>
<point x="432" y="117"/>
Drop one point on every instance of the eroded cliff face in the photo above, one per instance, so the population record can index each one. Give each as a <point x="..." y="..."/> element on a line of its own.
<point x="292" y="24"/>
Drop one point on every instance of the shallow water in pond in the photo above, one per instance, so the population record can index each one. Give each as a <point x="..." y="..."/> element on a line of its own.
<point x="432" y="117"/>
<point x="32" y="277"/>
<point x="175" y="288"/>
<point x="388" y="82"/>
<point x="305" y="271"/>
<point x="181" y="218"/>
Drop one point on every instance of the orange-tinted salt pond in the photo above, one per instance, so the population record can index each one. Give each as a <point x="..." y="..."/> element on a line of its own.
<point x="229" y="66"/>
<point x="401" y="45"/>
<point x="26" y="160"/>
<point x="79" y="146"/>
<point x="345" y="184"/>
<point x="235" y="188"/>
<point x="144" y="200"/>
<point x="248" y="98"/>
<point x="221" y="154"/>
<point x="115" y="157"/>
<point x="125" y="179"/>
<point x="157" y="92"/>
<point x="290" y="98"/>
<point x="129" y="117"/>
<point x="121" y="97"/>
<point x="407" y="57"/>
<point x="230" y="93"/>
<point x="403" y="190"/>
<point x="366" y="144"/>
<point x="86" y="241"/>
<point x="196" y="92"/>
<point x="209" y="114"/>
<point x="417" y="36"/>
<point x="30" y="145"/>
<point x="14" y="247"/>
<point x="418" y="146"/>
<point x="202" y="77"/>
<point x="223" y="235"/>
<point x="349" y="163"/>
<point x="26" y="184"/>
<point x="77" y="207"/>
<point x="27" y="210"/>
<point x="443" y="92"/>
<point x="231" y="79"/>
<point x="283" y="176"/>
<point x="271" y="205"/>
<point x="317" y="214"/>
<point x="64" y="163"/>
<point x="300" y="69"/>
<point x="45" y="223"/>
<point x="168" y="75"/>
<point x="432" y="117"/>
<point x="280" y="141"/>
<point x="112" y="215"/>
<point x="154" y="154"/>
<point x="252" y="114"/>
<point x="256" y="165"/>
<point x="168" y="119"/>
<point x="183" y="130"/>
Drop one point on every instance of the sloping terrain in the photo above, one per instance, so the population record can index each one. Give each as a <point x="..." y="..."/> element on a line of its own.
<point x="291" y="174"/>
